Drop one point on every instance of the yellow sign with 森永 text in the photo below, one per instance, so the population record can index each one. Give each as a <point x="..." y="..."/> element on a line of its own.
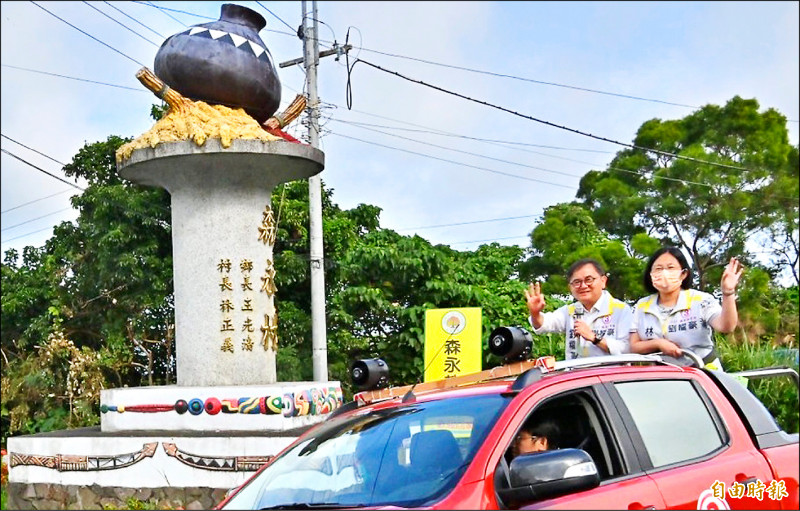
<point x="452" y="342"/>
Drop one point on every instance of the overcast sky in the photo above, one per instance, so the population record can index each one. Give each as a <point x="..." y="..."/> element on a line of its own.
<point x="426" y="158"/>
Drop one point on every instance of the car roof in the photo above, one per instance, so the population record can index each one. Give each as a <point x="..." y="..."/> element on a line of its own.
<point x="536" y="375"/>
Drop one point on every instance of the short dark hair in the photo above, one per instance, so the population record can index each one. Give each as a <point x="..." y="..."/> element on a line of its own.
<point x="583" y="262"/>
<point x="547" y="428"/>
<point x="677" y="254"/>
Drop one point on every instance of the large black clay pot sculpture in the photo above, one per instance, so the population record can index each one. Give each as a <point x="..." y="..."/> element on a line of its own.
<point x="223" y="62"/>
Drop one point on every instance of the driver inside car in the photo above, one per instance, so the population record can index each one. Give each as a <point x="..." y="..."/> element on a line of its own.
<point x="537" y="435"/>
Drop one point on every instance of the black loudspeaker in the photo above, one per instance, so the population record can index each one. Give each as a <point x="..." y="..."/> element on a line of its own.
<point x="369" y="373"/>
<point x="511" y="342"/>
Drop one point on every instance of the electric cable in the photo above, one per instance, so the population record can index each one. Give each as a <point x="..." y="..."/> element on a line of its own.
<point x="548" y="123"/>
<point x="75" y="78"/>
<point x="346" y="121"/>
<point x="121" y="24"/>
<point x="33" y="201"/>
<point x="25" y="235"/>
<point x="504" y="143"/>
<point x="165" y="9"/>
<point x="88" y="34"/>
<point x="472" y="222"/>
<point x="508" y="174"/>
<point x="132" y="18"/>
<point x="531" y="80"/>
<point x="490" y="239"/>
<point x="275" y="15"/>
<point x="467" y="152"/>
<point x="42" y="170"/>
<point x="3" y="135"/>
<point x="34" y="219"/>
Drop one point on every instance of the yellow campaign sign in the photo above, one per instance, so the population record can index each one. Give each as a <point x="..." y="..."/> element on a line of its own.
<point x="452" y="342"/>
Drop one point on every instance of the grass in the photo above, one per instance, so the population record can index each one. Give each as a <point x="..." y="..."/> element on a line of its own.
<point x="779" y="395"/>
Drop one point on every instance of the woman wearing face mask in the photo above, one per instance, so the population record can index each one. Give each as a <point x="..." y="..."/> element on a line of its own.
<point x="676" y="317"/>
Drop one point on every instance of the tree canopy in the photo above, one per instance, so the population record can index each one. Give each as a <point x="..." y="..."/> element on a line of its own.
<point x="721" y="178"/>
<point x="93" y="308"/>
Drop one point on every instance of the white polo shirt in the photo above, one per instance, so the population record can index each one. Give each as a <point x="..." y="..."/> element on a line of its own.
<point x="686" y="324"/>
<point x="609" y="318"/>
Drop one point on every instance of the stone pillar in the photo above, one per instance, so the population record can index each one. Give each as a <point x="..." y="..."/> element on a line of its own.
<point x="223" y="234"/>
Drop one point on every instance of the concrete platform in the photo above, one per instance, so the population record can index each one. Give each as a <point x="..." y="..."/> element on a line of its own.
<point x="275" y="408"/>
<point x="142" y="459"/>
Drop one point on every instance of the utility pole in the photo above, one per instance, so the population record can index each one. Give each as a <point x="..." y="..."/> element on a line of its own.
<point x="310" y="60"/>
<point x="319" y="340"/>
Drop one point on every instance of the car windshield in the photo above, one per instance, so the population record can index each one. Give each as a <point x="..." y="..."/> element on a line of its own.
<point x="406" y="456"/>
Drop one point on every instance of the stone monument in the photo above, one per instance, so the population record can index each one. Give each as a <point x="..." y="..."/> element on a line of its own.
<point x="219" y="154"/>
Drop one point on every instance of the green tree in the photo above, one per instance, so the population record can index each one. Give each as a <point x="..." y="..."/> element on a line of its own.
<point x="101" y="286"/>
<point x="730" y="182"/>
<point x="568" y="233"/>
<point x="391" y="280"/>
<point x="378" y="286"/>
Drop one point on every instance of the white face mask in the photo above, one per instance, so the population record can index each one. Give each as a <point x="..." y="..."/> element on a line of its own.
<point x="667" y="281"/>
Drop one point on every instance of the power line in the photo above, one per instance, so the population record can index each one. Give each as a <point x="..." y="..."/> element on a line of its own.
<point x="139" y="214"/>
<point x="74" y="78"/>
<point x="514" y="162"/>
<point x="525" y="178"/>
<point x="121" y="24"/>
<point x="490" y="239"/>
<point x="466" y="223"/>
<point x="109" y="202"/>
<point x="87" y="34"/>
<point x="499" y="143"/>
<point x="276" y="16"/>
<point x="33" y="201"/>
<point x="42" y="170"/>
<point x="504" y="143"/>
<point x="468" y="153"/>
<point x="489" y="73"/>
<point x="531" y="80"/>
<point x="164" y="10"/>
<point x="485" y="103"/>
<point x="666" y="178"/>
<point x="548" y="123"/>
<point x="134" y="19"/>
<point x="34" y="219"/>
<point x="608" y="167"/>
<point x="31" y="149"/>
<point x="405" y="228"/>
<point x="409" y="228"/>
<point x="438" y="132"/>
<point x="25" y="235"/>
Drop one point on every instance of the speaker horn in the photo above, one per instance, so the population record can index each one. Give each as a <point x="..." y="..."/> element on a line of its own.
<point x="511" y="342"/>
<point x="369" y="373"/>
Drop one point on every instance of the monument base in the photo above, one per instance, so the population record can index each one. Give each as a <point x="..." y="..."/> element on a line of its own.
<point x="148" y="450"/>
<point x="275" y="407"/>
<point x="86" y="468"/>
<point x="55" y="496"/>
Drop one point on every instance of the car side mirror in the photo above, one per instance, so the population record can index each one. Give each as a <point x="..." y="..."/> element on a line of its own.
<point x="547" y="474"/>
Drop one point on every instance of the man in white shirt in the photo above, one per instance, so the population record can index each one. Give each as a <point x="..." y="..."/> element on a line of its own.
<point x="596" y="324"/>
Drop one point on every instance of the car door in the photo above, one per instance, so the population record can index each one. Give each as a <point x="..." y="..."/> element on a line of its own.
<point x="694" y="452"/>
<point x="583" y="406"/>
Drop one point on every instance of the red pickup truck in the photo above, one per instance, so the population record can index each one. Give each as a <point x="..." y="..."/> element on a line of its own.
<point x="637" y="432"/>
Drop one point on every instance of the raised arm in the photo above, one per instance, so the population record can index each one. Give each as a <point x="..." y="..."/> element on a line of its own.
<point x="727" y="320"/>
<point x="535" y="300"/>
